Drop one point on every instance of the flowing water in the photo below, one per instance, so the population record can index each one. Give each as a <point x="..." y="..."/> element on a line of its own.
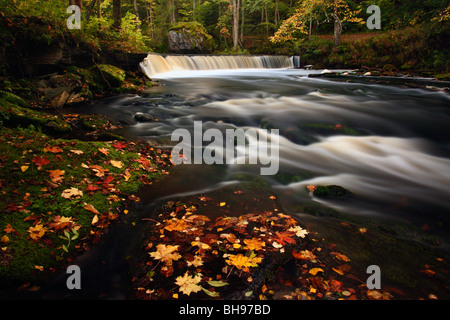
<point x="388" y="145"/>
<point x="390" y="148"/>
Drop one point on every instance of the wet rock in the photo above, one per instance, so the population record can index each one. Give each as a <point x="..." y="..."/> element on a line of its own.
<point x="141" y="117"/>
<point x="332" y="192"/>
<point x="59" y="101"/>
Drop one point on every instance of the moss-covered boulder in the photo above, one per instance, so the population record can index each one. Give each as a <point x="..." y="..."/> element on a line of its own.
<point x="107" y="75"/>
<point x="12" y="115"/>
<point x="12" y="98"/>
<point x="190" y="37"/>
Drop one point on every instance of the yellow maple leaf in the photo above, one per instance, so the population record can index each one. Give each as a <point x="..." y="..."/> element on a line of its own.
<point x="254" y="244"/>
<point x="243" y="262"/>
<point x="188" y="283"/>
<point x="176" y="225"/>
<point x="37" y="231"/>
<point x="165" y="253"/>
<point x="197" y="262"/>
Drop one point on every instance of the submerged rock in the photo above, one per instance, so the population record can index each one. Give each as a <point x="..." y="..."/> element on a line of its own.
<point x="332" y="192"/>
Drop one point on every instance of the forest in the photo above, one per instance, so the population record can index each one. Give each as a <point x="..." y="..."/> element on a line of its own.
<point x="311" y="28"/>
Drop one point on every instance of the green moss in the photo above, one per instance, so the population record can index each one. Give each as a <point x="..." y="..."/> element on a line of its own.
<point x="332" y="192"/>
<point x="30" y="197"/>
<point x="12" y="115"/>
<point x="107" y="75"/>
<point x="12" y="98"/>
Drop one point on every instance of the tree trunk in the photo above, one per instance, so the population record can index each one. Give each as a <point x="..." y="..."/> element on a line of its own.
<point x="135" y="8"/>
<point x="117" y="14"/>
<point x="310" y="26"/>
<point x="337" y="26"/>
<point x="90" y="9"/>
<point x="242" y="22"/>
<point x="277" y="13"/>
<point x="172" y="11"/>
<point x="235" y="28"/>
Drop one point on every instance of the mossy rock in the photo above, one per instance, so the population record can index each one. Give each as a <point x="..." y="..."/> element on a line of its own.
<point x="332" y="192"/>
<point x="107" y="75"/>
<point x="11" y="97"/>
<point x="12" y="115"/>
<point x="190" y="37"/>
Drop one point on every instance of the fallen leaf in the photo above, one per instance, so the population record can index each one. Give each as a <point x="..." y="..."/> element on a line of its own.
<point x="119" y="145"/>
<point x="340" y="256"/>
<point x="117" y="164"/>
<point x="188" y="283"/>
<point x="197" y="262"/>
<point x="165" y="253"/>
<point x="217" y="283"/>
<point x="37" y="231"/>
<point x="243" y="262"/>
<point x="254" y="244"/>
<point x="9" y="229"/>
<point x="24" y="168"/>
<point x="56" y="175"/>
<point x="105" y="151"/>
<point x="176" y="225"/>
<point x="304" y="255"/>
<point x="299" y="231"/>
<point x="77" y="151"/>
<point x="40" y="161"/>
<point x="72" y="192"/>
<point x="4" y="239"/>
<point x="94" y="220"/>
<point x="53" y="149"/>
<point x="314" y="271"/>
<point x="222" y="204"/>
<point x="91" y="208"/>
<point x="127" y="175"/>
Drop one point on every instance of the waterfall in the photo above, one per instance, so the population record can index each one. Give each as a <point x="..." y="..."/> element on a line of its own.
<point x="155" y="64"/>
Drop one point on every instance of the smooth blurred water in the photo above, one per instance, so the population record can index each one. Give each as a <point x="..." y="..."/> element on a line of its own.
<point x="390" y="147"/>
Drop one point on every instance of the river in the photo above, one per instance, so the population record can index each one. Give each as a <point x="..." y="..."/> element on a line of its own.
<point x="386" y="144"/>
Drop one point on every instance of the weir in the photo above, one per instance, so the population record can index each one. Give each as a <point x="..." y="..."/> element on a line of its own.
<point x="155" y="64"/>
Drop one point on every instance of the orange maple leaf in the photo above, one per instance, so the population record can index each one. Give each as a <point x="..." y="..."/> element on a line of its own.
<point x="243" y="262"/>
<point x="254" y="244"/>
<point x="37" y="231"/>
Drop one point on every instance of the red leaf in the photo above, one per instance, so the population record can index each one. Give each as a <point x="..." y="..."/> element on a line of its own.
<point x="285" y="237"/>
<point x="119" y="145"/>
<point x="92" y="187"/>
<point x="40" y="161"/>
<point x="108" y="180"/>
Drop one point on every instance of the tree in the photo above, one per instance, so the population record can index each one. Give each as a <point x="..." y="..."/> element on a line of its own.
<point x="296" y="24"/>
<point x="235" y="26"/>
<point x="117" y="14"/>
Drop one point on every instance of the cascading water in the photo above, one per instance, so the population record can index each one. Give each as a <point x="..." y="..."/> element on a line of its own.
<point x="155" y="64"/>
